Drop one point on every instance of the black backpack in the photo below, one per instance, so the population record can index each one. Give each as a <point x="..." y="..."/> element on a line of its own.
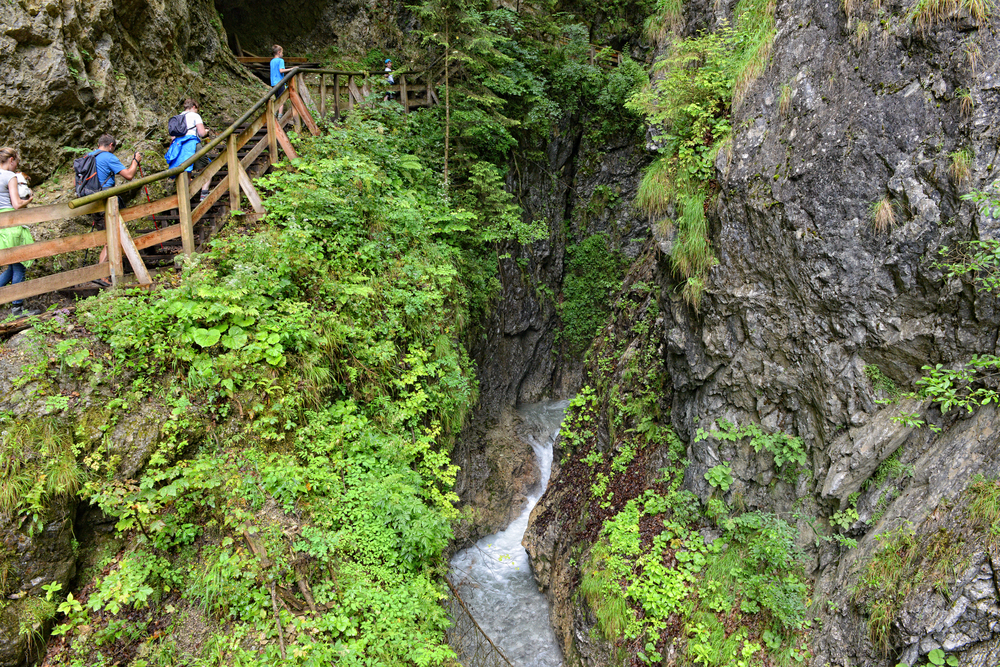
<point x="177" y="125"/>
<point x="85" y="169"/>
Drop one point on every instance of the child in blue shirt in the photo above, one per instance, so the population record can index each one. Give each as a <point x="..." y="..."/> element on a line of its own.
<point x="278" y="71"/>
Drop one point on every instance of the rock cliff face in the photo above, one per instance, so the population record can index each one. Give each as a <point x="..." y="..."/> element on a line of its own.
<point x="808" y="294"/>
<point x="75" y="70"/>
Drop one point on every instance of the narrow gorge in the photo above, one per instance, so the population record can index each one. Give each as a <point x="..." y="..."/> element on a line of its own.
<point x="750" y="246"/>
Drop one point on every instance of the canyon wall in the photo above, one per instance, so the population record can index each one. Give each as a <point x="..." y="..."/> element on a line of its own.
<point x="814" y="313"/>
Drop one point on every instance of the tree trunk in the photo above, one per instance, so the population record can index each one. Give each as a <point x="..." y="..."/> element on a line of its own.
<point x="447" y="102"/>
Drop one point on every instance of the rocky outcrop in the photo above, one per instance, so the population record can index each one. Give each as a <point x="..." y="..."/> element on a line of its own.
<point x="75" y="70"/>
<point x="811" y="300"/>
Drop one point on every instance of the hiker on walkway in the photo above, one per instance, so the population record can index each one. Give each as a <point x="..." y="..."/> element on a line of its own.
<point x="186" y="145"/>
<point x="108" y="166"/>
<point x="278" y="72"/>
<point x="10" y="199"/>
<point x="388" y="79"/>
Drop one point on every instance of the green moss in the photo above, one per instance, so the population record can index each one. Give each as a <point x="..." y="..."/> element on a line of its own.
<point x="593" y="274"/>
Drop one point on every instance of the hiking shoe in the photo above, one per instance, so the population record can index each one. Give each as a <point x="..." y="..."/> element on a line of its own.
<point x="20" y="311"/>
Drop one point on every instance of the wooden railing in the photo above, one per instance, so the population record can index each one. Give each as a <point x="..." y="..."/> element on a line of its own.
<point x="414" y="89"/>
<point x="120" y="244"/>
<point x="235" y="180"/>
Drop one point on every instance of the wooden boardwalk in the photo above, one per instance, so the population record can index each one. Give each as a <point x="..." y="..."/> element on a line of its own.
<point x="256" y="136"/>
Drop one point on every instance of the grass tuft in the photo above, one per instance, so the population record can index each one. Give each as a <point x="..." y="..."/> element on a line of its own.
<point x="668" y="18"/>
<point x="965" y="101"/>
<point x="961" y="165"/>
<point x="862" y="31"/>
<point x="656" y="191"/>
<point x="785" y="100"/>
<point x="883" y="213"/>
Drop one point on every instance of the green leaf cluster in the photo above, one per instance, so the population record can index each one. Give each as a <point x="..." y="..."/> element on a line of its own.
<point x="313" y="373"/>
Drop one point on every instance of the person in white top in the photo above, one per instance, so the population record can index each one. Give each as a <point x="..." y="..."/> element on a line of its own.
<point x="196" y="127"/>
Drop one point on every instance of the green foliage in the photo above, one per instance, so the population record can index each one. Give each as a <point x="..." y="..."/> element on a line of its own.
<point x="703" y="78"/>
<point x="325" y="349"/>
<point x="937" y="657"/>
<point x="785" y="448"/>
<point x="720" y="477"/>
<point x="593" y="274"/>
<point x="881" y="382"/>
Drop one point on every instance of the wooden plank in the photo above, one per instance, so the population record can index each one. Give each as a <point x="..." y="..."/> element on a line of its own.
<point x="231" y="169"/>
<point x="272" y="139"/>
<point x="157" y="237"/>
<point x="403" y="93"/>
<point x="149" y="208"/>
<point x="138" y="267"/>
<point x="23" y="253"/>
<point x="304" y="114"/>
<point x="322" y="96"/>
<point x="249" y="190"/>
<point x="35" y="214"/>
<point x="264" y="60"/>
<point x="351" y="91"/>
<point x="254" y="153"/>
<point x="303" y="92"/>
<point x="114" y="242"/>
<point x="286" y="145"/>
<point x="56" y="281"/>
<point x="336" y="96"/>
<point x="184" y="211"/>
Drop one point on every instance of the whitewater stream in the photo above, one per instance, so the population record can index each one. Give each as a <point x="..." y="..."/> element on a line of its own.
<point x="493" y="576"/>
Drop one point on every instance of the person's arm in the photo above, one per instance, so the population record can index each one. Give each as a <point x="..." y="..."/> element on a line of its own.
<point x="128" y="173"/>
<point x="202" y="130"/>
<point x="15" y="197"/>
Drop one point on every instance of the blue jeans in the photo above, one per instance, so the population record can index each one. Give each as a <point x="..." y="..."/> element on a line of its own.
<point x="13" y="274"/>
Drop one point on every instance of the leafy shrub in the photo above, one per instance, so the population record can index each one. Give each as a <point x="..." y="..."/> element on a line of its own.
<point x="593" y="272"/>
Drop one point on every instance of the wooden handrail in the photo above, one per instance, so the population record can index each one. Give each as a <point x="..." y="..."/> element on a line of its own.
<point x="235" y="181"/>
<point x="169" y="173"/>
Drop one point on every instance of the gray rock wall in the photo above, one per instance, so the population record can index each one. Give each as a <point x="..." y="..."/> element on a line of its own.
<point x="808" y="292"/>
<point x="76" y="69"/>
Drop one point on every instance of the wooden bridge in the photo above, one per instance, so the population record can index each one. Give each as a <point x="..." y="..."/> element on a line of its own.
<point x="256" y="139"/>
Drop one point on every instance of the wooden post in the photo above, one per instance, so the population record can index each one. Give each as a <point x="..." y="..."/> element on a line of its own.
<point x="233" y="173"/>
<point x="429" y="76"/>
<point x="128" y="246"/>
<point x="293" y="85"/>
<point x="184" y="213"/>
<point x="322" y="96"/>
<point x="336" y="96"/>
<point x="111" y="218"/>
<point x="404" y="94"/>
<point x="272" y="135"/>
<point x="350" y="85"/>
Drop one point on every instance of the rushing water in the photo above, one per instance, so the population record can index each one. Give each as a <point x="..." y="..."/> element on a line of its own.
<point x="494" y="577"/>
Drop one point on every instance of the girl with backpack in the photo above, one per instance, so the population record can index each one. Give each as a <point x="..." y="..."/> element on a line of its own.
<point x="10" y="237"/>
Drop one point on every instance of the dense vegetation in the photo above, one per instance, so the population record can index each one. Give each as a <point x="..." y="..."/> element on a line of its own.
<point x="654" y="582"/>
<point x="312" y="366"/>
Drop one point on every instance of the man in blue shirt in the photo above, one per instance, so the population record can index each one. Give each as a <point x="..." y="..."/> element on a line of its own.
<point x="278" y="72"/>
<point x="107" y="166"/>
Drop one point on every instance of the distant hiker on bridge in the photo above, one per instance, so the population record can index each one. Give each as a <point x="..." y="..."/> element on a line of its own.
<point x="389" y="80"/>
<point x="10" y="199"/>
<point x="278" y="72"/>
<point x="187" y="130"/>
